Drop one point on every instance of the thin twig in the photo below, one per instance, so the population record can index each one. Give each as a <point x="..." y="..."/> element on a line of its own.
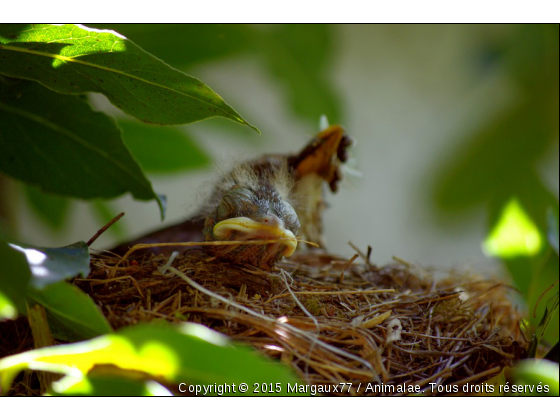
<point x="104" y="228"/>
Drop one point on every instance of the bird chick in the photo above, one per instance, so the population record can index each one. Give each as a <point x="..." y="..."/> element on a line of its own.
<point x="275" y="197"/>
<point x="253" y="202"/>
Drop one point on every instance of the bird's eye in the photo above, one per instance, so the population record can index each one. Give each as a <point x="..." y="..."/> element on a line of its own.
<point x="237" y="202"/>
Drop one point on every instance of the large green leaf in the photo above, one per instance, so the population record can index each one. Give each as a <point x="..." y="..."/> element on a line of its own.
<point x="71" y="313"/>
<point x="76" y="59"/>
<point x="59" y="144"/>
<point x="190" y="354"/>
<point x="297" y="56"/>
<point x="14" y="278"/>
<point x="162" y="149"/>
<point x="51" y="209"/>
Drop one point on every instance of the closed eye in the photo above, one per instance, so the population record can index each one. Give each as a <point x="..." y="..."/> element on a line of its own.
<point x="238" y="202"/>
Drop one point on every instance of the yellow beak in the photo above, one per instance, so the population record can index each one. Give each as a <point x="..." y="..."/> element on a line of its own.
<point x="270" y="228"/>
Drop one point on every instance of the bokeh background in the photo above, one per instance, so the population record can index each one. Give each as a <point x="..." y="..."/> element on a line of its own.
<point x="456" y="130"/>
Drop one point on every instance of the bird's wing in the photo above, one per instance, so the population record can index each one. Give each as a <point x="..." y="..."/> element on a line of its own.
<point x="323" y="156"/>
<point x="319" y="162"/>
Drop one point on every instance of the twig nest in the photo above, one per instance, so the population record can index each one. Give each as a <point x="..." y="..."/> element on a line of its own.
<point x="329" y="319"/>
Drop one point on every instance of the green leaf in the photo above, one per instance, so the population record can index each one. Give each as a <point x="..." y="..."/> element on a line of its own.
<point x="15" y="275"/>
<point x="75" y="59"/>
<point x="185" y="45"/>
<point x="549" y="314"/>
<point x="542" y="289"/>
<point x="95" y="385"/>
<point x="531" y="373"/>
<point x="71" y="313"/>
<point x="189" y="353"/>
<point x="496" y="162"/>
<point x="514" y="234"/>
<point x="162" y="149"/>
<point x="51" y="209"/>
<point x="58" y="143"/>
<point x="7" y="308"/>
<point x="52" y="265"/>
<point x="499" y="159"/>
<point x="551" y="309"/>
<point x="297" y="56"/>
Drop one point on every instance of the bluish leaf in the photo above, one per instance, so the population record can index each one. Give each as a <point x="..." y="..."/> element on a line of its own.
<point x="52" y="265"/>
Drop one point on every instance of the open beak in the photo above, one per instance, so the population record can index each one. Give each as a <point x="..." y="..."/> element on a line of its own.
<point x="269" y="227"/>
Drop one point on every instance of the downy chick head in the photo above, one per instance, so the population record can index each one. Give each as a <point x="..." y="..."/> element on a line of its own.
<point x="253" y="205"/>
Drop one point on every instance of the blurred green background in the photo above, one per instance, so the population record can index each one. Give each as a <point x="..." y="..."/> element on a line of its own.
<point x="456" y="162"/>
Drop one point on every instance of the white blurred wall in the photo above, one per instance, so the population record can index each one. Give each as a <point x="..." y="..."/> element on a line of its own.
<point x="406" y="92"/>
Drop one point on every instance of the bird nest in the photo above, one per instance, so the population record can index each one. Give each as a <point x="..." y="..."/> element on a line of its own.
<point x="394" y="329"/>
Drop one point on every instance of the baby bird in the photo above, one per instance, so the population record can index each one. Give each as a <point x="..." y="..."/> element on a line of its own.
<point x="275" y="197"/>
<point x="254" y="202"/>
